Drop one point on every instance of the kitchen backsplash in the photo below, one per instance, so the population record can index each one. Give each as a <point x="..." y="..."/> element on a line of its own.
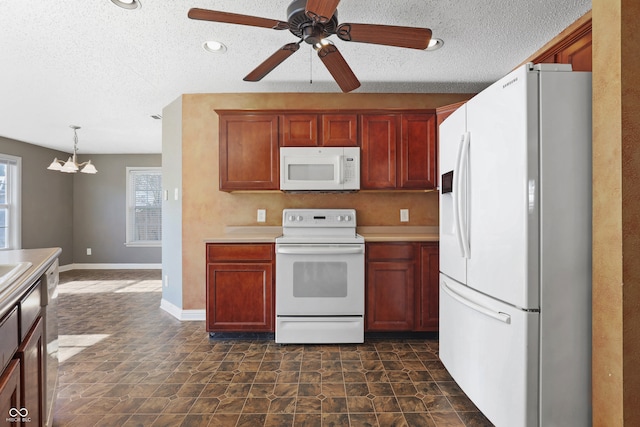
<point x="373" y="208"/>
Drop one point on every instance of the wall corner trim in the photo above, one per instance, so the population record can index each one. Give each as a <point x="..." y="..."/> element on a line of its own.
<point x="180" y="314"/>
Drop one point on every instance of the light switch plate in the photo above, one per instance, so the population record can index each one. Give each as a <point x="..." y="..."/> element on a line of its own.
<point x="262" y="215"/>
<point x="404" y="215"/>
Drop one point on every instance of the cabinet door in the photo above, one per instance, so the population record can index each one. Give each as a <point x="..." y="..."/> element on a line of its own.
<point x="299" y="130"/>
<point x="427" y="289"/>
<point x="10" y="393"/>
<point x="31" y="353"/>
<point x="378" y="157"/>
<point x="249" y="156"/>
<point x="339" y="130"/>
<point x="240" y="297"/>
<point x="578" y="54"/>
<point x="418" y="151"/>
<point x="390" y="302"/>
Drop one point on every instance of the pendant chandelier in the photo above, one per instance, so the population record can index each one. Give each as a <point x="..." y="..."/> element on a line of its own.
<point x="72" y="165"/>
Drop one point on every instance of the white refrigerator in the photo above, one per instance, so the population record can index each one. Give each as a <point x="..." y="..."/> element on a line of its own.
<point x="515" y="247"/>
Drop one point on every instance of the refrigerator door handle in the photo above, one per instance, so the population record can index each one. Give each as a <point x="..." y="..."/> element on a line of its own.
<point x="459" y="220"/>
<point x="497" y="315"/>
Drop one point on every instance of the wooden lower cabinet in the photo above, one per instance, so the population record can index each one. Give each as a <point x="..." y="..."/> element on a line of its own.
<point x="390" y="296"/>
<point x="31" y="355"/>
<point x="428" y="291"/>
<point x="402" y="286"/>
<point x="240" y="288"/>
<point x="10" y="394"/>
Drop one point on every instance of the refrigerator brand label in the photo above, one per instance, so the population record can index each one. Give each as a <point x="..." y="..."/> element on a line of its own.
<point x="509" y="83"/>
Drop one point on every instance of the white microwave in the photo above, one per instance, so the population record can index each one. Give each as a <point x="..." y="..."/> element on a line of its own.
<point x="319" y="168"/>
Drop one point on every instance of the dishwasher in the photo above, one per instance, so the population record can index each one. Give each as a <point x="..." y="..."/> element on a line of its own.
<point x="49" y="304"/>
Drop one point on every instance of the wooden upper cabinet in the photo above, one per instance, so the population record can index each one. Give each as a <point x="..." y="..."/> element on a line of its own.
<point x="445" y="111"/>
<point x="571" y="46"/>
<point x="578" y="54"/>
<point x="398" y="151"/>
<point x="339" y="130"/>
<point x="300" y="130"/>
<point x="310" y="130"/>
<point x="249" y="158"/>
<point x="418" y="151"/>
<point x="378" y="155"/>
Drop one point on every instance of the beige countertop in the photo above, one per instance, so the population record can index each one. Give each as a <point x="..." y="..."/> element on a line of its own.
<point x="248" y="234"/>
<point x="40" y="260"/>
<point x="401" y="233"/>
<point x="268" y="234"/>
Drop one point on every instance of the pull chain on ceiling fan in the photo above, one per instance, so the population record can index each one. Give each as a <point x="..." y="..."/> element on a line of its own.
<point x="313" y="21"/>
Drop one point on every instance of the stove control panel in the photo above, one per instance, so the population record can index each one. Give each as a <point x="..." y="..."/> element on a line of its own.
<point x="319" y="218"/>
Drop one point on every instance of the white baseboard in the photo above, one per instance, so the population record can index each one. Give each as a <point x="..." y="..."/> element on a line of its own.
<point x="69" y="267"/>
<point x="180" y="314"/>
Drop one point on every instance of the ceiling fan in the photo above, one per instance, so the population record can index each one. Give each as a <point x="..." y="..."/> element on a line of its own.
<point x="313" y="21"/>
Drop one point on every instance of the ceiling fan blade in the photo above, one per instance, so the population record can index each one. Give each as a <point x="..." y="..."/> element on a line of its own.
<point x="272" y="62"/>
<point x="321" y="10"/>
<point x="389" y="35"/>
<point x="234" y="18"/>
<point x="338" y="67"/>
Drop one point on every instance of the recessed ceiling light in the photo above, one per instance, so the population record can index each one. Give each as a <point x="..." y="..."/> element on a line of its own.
<point x="214" y="46"/>
<point x="127" y="4"/>
<point x="435" y="44"/>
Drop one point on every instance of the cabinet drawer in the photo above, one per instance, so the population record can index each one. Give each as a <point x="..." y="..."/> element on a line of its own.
<point x="30" y="309"/>
<point x="390" y="251"/>
<point x="8" y="336"/>
<point x="239" y="252"/>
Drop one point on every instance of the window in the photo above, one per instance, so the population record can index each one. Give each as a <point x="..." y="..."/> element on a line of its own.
<point x="10" y="237"/>
<point x="144" y="206"/>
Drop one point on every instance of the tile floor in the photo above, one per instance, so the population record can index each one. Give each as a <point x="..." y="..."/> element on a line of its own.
<point x="125" y="362"/>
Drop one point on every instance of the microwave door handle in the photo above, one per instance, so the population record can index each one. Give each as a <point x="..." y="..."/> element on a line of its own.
<point x="340" y="169"/>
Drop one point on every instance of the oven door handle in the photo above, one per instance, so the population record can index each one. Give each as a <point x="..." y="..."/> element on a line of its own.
<point x="320" y="250"/>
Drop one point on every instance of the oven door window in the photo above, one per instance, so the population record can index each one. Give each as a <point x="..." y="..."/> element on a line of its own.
<point x="320" y="279"/>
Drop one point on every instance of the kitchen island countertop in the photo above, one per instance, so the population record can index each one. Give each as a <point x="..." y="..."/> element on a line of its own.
<point x="40" y="260"/>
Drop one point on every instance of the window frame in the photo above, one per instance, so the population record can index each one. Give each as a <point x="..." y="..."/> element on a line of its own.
<point x="130" y="205"/>
<point x="14" y="201"/>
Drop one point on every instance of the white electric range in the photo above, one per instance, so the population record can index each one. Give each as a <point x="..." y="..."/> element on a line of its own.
<point x="319" y="278"/>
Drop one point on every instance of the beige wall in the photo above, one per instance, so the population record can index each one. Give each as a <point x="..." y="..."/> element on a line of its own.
<point x="616" y="213"/>
<point x="206" y="211"/>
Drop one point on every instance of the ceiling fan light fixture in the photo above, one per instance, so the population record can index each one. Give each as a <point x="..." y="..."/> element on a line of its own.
<point x="435" y="44"/>
<point x="322" y="43"/>
<point x="127" y="4"/>
<point x="213" y="46"/>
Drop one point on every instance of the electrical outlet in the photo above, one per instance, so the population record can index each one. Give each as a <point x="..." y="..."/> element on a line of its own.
<point x="404" y="215"/>
<point x="262" y="215"/>
<point x="176" y="194"/>
<point x="166" y="281"/>
<point x="88" y="251"/>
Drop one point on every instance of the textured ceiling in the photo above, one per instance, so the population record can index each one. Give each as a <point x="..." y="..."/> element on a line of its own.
<point x="107" y="69"/>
